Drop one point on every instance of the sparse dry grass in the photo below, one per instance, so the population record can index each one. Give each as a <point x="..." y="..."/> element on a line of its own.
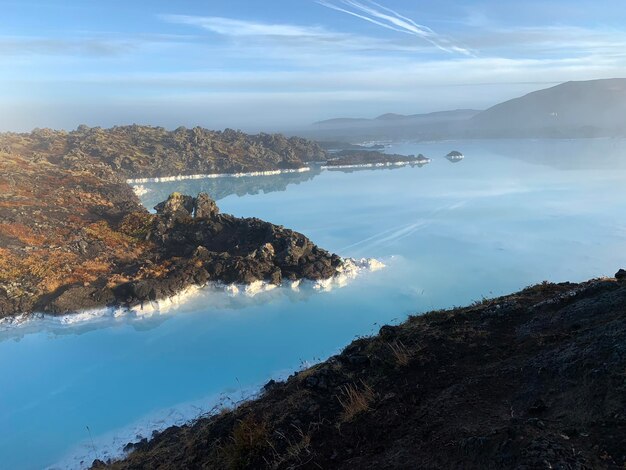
<point x="21" y="232"/>
<point x="355" y="400"/>
<point x="400" y="352"/>
<point x="300" y="447"/>
<point x="116" y="279"/>
<point x="122" y="246"/>
<point x="52" y="268"/>
<point x="90" y="270"/>
<point x="308" y="372"/>
<point x="297" y="453"/>
<point x="137" y="224"/>
<point x="154" y="271"/>
<point x="250" y="439"/>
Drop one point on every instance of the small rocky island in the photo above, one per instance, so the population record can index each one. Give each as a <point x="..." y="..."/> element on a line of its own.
<point x="455" y="156"/>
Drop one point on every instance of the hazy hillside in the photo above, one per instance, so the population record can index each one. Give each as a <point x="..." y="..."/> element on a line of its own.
<point x="390" y="126"/>
<point x="393" y="119"/>
<point x="572" y="109"/>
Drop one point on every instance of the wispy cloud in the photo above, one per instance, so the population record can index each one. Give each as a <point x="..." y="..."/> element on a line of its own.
<point x="377" y="14"/>
<point x="234" y="27"/>
<point x="294" y="42"/>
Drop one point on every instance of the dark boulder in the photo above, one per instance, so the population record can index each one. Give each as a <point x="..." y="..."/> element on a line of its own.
<point x="76" y="298"/>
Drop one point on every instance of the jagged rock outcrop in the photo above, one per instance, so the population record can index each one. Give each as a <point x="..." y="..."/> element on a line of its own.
<point x="232" y="249"/>
<point x="200" y="245"/>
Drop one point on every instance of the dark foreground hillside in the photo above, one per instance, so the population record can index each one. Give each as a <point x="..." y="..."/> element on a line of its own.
<point x="536" y="379"/>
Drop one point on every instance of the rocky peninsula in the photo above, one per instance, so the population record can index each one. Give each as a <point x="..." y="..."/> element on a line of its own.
<point x="74" y="236"/>
<point x="154" y="152"/>
<point x="530" y="380"/>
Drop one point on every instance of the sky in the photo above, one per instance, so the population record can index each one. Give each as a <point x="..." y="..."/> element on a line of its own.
<point x="283" y="64"/>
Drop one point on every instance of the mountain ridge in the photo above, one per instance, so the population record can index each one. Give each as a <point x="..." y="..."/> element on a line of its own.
<point x="399" y="117"/>
<point x="590" y="108"/>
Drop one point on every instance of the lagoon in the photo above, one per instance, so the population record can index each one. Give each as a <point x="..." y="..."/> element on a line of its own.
<point x="512" y="213"/>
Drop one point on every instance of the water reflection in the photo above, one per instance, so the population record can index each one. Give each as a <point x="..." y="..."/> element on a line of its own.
<point x="220" y="188"/>
<point x="555" y="153"/>
<point x="207" y="298"/>
<point x="356" y="168"/>
<point x="562" y="154"/>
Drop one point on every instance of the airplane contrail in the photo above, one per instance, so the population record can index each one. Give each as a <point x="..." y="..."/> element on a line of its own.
<point x="377" y="14"/>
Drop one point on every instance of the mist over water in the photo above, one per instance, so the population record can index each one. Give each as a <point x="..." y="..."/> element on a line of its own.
<point x="512" y="213"/>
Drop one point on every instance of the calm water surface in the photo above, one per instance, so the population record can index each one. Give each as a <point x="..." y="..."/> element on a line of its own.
<point x="511" y="214"/>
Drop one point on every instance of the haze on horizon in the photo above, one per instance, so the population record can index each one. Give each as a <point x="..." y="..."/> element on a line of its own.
<point x="283" y="64"/>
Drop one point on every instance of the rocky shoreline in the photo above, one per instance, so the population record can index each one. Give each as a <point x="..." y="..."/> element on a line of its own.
<point x="530" y="380"/>
<point x="190" y="244"/>
<point x="74" y="236"/>
<point x="197" y="245"/>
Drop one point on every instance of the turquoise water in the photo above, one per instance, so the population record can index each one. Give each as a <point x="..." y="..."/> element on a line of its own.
<point x="512" y="213"/>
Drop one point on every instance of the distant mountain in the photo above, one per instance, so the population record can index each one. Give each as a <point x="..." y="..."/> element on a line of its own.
<point x="341" y="121"/>
<point x="395" y="119"/>
<point x="572" y="109"/>
<point x="390" y="126"/>
<point x="594" y="108"/>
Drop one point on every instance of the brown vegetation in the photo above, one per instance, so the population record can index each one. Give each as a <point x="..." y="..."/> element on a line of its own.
<point x="60" y="227"/>
<point x="355" y="399"/>
<point x="247" y="445"/>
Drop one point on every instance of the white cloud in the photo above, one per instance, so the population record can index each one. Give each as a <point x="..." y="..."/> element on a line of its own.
<point x="234" y="27"/>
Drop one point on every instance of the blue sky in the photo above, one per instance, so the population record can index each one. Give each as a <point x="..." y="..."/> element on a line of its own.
<point x="278" y="64"/>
